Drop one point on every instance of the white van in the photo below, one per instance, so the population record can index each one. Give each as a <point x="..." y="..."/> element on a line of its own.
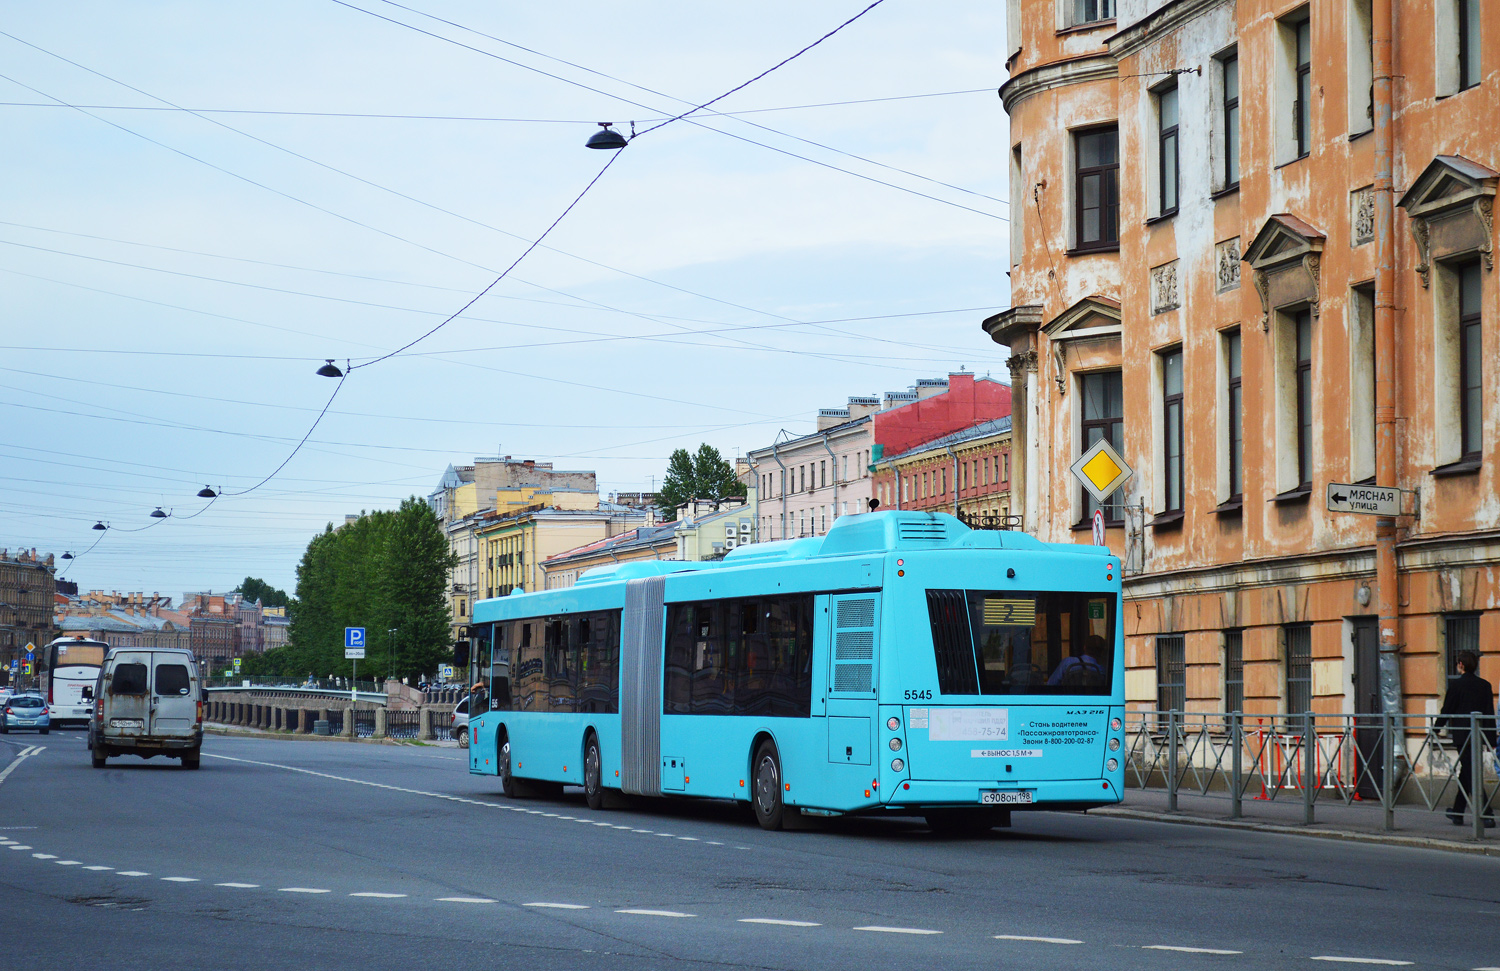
<point x="147" y="702"/>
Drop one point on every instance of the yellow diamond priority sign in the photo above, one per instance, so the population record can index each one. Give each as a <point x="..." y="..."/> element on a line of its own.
<point x="1101" y="470"/>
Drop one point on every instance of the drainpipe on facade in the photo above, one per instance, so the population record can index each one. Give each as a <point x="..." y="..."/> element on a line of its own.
<point x="1388" y="596"/>
<point x="833" y="460"/>
<point x="954" y="456"/>
<point x="777" y="458"/>
<point x="895" y="480"/>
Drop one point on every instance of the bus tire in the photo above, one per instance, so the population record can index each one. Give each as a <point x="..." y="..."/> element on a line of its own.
<point x="593" y="773"/>
<point x="98" y="757"/>
<point x="502" y="769"/>
<point x="766" y="796"/>
<point x="191" y="760"/>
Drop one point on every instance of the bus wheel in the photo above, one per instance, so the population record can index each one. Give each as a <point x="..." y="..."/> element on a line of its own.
<point x="768" y="805"/>
<point x="502" y="769"/>
<point x="593" y="782"/>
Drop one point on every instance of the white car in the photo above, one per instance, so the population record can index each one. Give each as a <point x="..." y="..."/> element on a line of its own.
<point x="461" y="722"/>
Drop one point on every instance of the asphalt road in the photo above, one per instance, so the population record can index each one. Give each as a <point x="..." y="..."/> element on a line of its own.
<point x="302" y="854"/>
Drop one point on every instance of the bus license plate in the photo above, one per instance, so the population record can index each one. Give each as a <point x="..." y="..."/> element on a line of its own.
<point x="1005" y="797"/>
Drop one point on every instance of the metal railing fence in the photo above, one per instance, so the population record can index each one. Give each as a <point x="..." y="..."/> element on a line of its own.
<point x="1410" y="762"/>
<point x="335" y="721"/>
<point x="364" y="722"/>
<point x="403" y="724"/>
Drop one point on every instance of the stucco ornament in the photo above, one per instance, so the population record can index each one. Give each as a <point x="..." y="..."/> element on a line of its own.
<point x="1021" y="363"/>
<point x="1312" y="262"/>
<point x="1484" y="208"/>
<point x="1364" y="215"/>
<point x="1263" y="290"/>
<point x="1424" y="249"/>
<point x="1165" y="294"/>
<point x="1227" y="258"/>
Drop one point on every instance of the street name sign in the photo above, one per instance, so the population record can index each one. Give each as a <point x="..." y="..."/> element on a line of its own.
<point x="1367" y="499"/>
<point x="354" y="654"/>
<point x="1101" y="470"/>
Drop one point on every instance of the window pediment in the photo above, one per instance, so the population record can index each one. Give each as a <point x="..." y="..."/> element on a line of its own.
<point x="1456" y="197"/>
<point x="1285" y="245"/>
<point x="1089" y="317"/>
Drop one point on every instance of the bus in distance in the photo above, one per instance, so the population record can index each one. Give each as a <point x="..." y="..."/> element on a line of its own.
<point x="65" y="668"/>
<point x="903" y="663"/>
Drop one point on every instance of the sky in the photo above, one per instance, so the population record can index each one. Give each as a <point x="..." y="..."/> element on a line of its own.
<point x="199" y="210"/>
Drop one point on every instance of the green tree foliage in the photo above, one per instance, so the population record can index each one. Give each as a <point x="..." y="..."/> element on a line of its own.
<point x="706" y="475"/>
<point x="384" y="572"/>
<point x="253" y="589"/>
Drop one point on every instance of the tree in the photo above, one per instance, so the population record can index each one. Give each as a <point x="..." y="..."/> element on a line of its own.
<point x="706" y="475"/>
<point x="254" y="588"/>
<point x="384" y="571"/>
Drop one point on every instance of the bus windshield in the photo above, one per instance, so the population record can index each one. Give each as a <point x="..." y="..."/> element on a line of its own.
<point x="1010" y="642"/>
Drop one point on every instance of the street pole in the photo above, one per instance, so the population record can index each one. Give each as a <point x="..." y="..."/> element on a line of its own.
<point x="354" y="683"/>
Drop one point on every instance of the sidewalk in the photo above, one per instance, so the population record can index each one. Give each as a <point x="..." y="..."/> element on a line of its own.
<point x="1359" y="822"/>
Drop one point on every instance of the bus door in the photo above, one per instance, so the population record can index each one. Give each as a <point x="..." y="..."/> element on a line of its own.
<point x="851" y="712"/>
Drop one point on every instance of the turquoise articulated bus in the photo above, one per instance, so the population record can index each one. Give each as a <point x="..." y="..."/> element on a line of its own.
<point x="903" y="663"/>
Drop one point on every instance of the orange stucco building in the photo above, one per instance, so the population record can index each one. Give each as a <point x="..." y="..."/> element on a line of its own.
<point x="1258" y="257"/>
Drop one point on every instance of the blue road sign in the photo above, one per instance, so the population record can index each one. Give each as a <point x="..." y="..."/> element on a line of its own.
<point x="30" y="656"/>
<point x="354" y="637"/>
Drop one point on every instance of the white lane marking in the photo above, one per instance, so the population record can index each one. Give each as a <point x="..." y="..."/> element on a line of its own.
<point x="133" y="873"/>
<point x="45" y="856"/>
<point x="70" y="863"/>
<point x="551" y="906"/>
<point x="20" y="847"/>
<point x="301" y="890"/>
<point x="646" y="831"/>
<point x="1036" y="940"/>
<point x="896" y="930"/>
<point x="98" y="868"/>
<point x="381" y="896"/>
<point x="239" y="886"/>
<point x="1187" y="950"/>
<point x="617" y="826"/>
<point x="642" y="912"/>
<point x="778" y="923"/>
<point x="690" y="839"/>
<point x="714" y="843"/>
<point x="1348" y="960"/>
<point x="181" y="879"/>
<point x="466" y="900"/>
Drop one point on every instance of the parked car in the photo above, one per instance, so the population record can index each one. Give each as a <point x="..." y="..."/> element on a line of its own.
<point x="461" y="723"/>
<point x="26" y="712"/>
<point x="147" y="702"/>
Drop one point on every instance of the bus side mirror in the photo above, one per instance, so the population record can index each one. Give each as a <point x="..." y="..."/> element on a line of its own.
<point x="461" y="654"/>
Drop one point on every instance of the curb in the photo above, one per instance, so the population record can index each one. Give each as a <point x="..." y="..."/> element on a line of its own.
<point x="1352" y="836"/>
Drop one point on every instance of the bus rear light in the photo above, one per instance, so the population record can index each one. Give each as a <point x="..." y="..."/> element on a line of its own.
<point x="1114" y="745"/>
<point x="1112" y="764"/>
<point x="1114" y="724"/>
<point x="895" y="745"/>
<point x="893" y="723"/>
<point x="897" y="765"/>
<point x="742" y="783"/>
<point x="867" y="793"/>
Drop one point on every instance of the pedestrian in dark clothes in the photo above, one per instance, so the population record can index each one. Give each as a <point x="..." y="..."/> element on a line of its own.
<point x="1468" y="693"/>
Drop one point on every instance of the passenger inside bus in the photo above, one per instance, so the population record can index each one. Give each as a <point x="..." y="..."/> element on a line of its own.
<point x="1081" y="668"/>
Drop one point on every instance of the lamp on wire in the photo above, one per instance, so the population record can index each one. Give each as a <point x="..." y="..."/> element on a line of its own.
<point x="330" y="370"/>
<point x="158" y="514"/>
<point x="99" y="525"/>
<point x="67" y="556"/>
<point x="207" y="493"/>
<point x="608" y="138"/>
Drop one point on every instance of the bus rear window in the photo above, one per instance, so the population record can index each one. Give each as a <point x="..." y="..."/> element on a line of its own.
<point x="1023" y="642"/>
<point x="172" y="679"/>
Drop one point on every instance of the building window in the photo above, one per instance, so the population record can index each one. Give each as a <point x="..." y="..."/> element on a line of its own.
<point x="1171" y="673"/>
<point x="1171" y="430"/>
<point x="1234" y="670"/>
<point x="1166" y="155"/>
<point x="1090" y="11"/>
<point x="1298" y="668"/>
<point x="986" y="472"/>
<point x="1103" y="417"/>
<point x="1361" y="67"/>
<point x="1468" y="43"/>
<point x="1017" y="191"/>
<point x="1006" y="459"/>
<point x="1235" y="415"/>
<point x="1302" y="103"/>
<point x="1230" y="68"/>
<point x="1470" y="363"/>
<point x="1097" y="188"/>
<point x="1460" y="633"/>
<point x="1297" y="412"/>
